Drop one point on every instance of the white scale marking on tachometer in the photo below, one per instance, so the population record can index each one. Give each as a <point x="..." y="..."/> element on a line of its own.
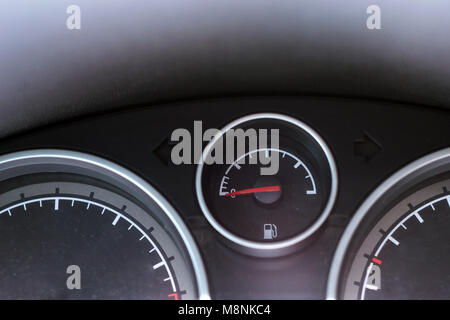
<point x="57" y="204"/>
<point x="389" y="237"/>
<point x="116" y="220"/>
<point x="158" y="265"/>
<point x="372" y="287"/>
<point x="407" y="218"/>
<point x="417" y="215"/>
<point x="394" y="241"/>
<point x="284" y="153"/>
<point x="118" y="215"/>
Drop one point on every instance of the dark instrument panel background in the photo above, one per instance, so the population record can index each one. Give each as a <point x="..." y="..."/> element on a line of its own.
<point x="369" y="140"/>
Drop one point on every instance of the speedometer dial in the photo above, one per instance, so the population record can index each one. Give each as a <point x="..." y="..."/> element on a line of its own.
<point x="399" y="247"/>
<point x="73" y="226"/>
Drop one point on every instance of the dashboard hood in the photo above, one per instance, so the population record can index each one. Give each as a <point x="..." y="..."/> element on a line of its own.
<point x="143" y="52"/>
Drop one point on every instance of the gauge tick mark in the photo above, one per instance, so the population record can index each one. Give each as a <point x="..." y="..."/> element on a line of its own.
<point x="158" y="265"/>
<point x="394" y="241"/>
<point x="417" y="215"/>
<point x="377" y="261"/>
<point x="116" y="220"/>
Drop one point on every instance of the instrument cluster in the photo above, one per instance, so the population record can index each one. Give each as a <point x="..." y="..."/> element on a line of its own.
<point x="323" y="198"/>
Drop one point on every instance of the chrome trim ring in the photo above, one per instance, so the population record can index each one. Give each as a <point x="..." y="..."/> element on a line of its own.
<point x="415" y="168"/>
<point x="264" y="249"/>
<point x="50" y="156"/>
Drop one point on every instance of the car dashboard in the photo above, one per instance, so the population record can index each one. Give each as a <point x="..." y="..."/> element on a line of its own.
<point x="139" y="139"/>
<point x="116" y="181"/>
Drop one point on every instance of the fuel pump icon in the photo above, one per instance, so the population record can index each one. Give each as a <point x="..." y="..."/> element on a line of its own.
<point x="270" y="231"/>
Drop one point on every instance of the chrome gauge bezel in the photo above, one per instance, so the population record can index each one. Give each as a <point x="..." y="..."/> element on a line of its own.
<point x="52" y="160"/>
<point x="424" y="168"/>
<point x="279" y="247"/>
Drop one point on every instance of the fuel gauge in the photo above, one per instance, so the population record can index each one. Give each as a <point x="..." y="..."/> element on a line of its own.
<point x="268" y="215"/>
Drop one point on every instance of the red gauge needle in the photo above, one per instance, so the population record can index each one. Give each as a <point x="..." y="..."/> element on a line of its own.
<point x="254" y="190"/>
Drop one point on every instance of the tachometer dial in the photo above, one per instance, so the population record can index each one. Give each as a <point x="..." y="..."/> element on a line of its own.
<point x="397" y="243"/>
<point x="75" y="226"/>
<point x="268" y="214"/>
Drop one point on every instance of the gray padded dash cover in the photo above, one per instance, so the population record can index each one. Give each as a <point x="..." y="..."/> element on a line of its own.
<point x="130" y="52"/>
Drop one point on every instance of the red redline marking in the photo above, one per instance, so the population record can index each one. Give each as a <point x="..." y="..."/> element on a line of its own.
<point x="377" y="261"/>
<point x="175" y="295"/>
<point x="254" y="190"/>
